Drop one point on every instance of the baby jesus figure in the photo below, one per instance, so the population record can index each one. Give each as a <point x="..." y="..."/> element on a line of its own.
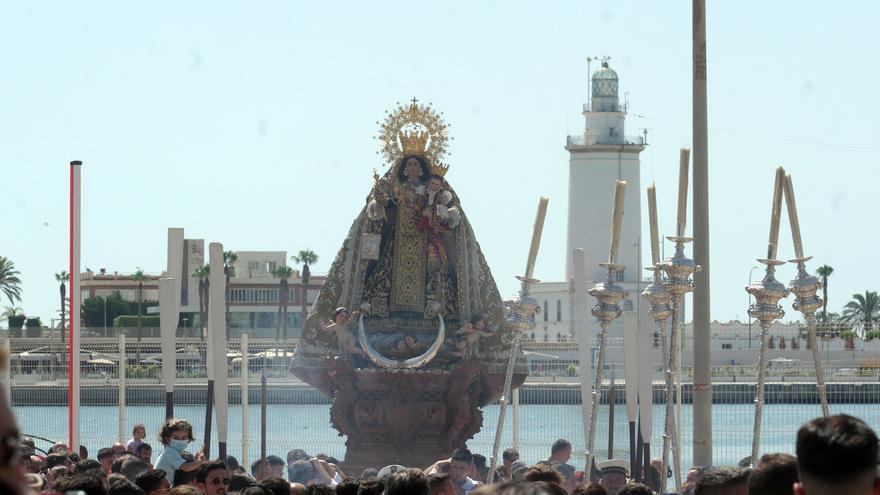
<point x="437" y="212"/>
<point x="347" y="343"/>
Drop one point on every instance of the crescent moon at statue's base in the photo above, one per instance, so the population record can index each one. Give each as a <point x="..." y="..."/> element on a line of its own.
<point x="414" y="362"/>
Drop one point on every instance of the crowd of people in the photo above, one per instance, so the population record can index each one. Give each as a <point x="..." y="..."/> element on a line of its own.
<point x="834" y="455"/>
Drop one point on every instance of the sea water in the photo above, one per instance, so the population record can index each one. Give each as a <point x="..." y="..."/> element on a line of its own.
<point x="308" y="427"/>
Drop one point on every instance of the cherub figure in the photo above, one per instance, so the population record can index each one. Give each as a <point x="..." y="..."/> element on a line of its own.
<point x="404" y="346"/>
<point x="473" y="332"/>
<point x="347" y="343"/>
<point x="461" y="348"/>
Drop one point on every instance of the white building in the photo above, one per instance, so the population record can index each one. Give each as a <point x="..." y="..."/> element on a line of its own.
<point x="599" y="157"/>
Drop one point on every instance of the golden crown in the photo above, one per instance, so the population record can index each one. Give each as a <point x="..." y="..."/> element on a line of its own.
<point x="415" y="129"/>
<point x="413" y="142"/>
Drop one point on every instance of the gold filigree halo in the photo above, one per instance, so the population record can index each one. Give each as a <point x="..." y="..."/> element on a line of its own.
<point x="414" y="129"/>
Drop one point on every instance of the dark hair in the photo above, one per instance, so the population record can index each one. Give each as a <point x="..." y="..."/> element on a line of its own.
<point x="408" y="481"/>
<point x="172" y="425"/>
<point x="348" y="486"/>
<point x="463" y="455"/>
<point x="437" y="479"/>
<point x="257" y="467"/>
<point x="133" y="466"/>
<point x="319" y="490"/>
<point x="116" y="465"/>
<point x="142" y="447"/>
<point x="300" y="472"/>
<point x="88" y="483"/>
<point x="479" y="461"/>
<point x="423" y="163"/>
<point x="713" y="478"/>
<point x="206" y="467"/>
<point x="119" y="485"/>
<point x="274" y="460"/>
<point x="106" y="451"/>
<point x="543" y="472"/>
<point x="515" y="488"/>
<point x="632" y="488"/>
<point x="239" y="481"/>
<point x="559" y="446"/>
<point x="182" y="477"/>
<point x="510" y="455"/>
<point x="373" y="486"/>
<point x="150" y="480"/>
<point x="774" y="473"/>
<point x="254" y="490"/>
<point x="276" y="485"/>
<point x="835" y="449"/>
<point x="86" y="465"/>
<point x="139" y="426"/>
<point x="297" y="454"/>
<point x="55" y="459"/>
<point x="232" y="464"/>
<point x="592" y="489"/>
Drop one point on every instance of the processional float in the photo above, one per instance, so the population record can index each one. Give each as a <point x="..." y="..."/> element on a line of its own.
<point x="769" y="291"/>
<point x="433" y="341"/>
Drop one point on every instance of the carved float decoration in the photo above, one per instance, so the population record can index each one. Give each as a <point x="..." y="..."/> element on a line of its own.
<point x="428" y="342"/>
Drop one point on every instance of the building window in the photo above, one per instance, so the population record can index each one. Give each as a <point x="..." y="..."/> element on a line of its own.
<point x="558" y="310"/>
<point x="270" y="266"/>
<point x="546" y="313"/>
<point x="253" y="266"/>
<point x="627" y="305"/>
<point x="619" y="275"/>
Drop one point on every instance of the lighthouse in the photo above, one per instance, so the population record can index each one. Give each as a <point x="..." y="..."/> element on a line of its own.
<point x="599" y="157"/>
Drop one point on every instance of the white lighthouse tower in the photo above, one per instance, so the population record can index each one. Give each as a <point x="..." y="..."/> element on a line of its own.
<point x="603" y="154"/>
<point x="599" y="156"/>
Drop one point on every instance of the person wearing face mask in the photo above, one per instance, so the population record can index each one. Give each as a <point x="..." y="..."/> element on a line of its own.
<point x="175" y="435"/>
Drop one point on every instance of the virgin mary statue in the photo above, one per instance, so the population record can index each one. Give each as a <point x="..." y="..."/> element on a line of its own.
<point x="410" y="265"/>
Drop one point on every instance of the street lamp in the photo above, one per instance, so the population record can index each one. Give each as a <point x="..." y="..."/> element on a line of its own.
<point x="750" y="305"/>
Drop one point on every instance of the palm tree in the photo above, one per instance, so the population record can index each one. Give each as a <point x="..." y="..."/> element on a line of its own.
<point x="862" y="309"/>
<point x="10" y="284"/>
<point x="62" y="278"/>
<point x="11" y="311"/>
<point x="282" y="272"/>
<point x="202" y="273"/>
<point x="306" y="257"/>
<point x="139" y="278"/>
<point x="824" y="271"/>
<point x="229" y="259"/>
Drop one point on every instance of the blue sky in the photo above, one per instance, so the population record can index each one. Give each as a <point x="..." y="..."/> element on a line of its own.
<point x="251" y="123"/>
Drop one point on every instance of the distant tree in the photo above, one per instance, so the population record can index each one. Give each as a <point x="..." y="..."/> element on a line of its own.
<point x="139" y="277"/>
<point x="229" y="259"/>
<point x="305" y="257"/>
<point x="824" y="271"/>
<point x="62" y="279"/>
<point x="282" y="272"/>
<point x="863" y="309"/>
<point x="10" y="284"/>
<point x="202" y="273"/>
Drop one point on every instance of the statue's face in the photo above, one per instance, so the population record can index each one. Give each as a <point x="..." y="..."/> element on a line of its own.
<point x="435" y="185"/>
<point x="413" y="169"/>
<point x="342" y="317"/>
<point x="480" y="325"/>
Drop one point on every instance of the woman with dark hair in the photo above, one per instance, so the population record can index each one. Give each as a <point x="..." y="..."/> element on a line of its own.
<point x="406" y="283"/>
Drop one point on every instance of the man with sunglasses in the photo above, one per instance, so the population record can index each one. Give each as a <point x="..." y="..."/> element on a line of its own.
<point x="212" y="478"/>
